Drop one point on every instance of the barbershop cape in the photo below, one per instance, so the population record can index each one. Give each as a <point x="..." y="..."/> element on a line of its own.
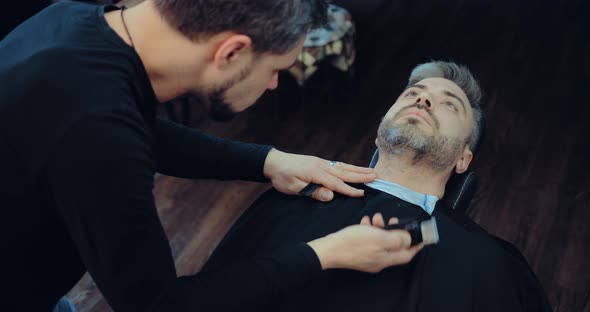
<point x="468" y="270"/>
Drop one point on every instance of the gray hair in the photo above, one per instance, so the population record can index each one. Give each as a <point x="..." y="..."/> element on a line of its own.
<point x="463" y="78"/>
<point x="275" y="26"/>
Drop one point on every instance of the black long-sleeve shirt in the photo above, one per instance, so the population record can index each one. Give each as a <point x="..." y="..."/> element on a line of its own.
<point x="79" y="146"/>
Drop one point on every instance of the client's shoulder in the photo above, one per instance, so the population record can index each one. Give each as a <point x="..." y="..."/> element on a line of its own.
<point x="485" y="246"/>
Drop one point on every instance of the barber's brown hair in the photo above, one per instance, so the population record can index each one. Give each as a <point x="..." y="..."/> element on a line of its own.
<point x="275" y="26"/>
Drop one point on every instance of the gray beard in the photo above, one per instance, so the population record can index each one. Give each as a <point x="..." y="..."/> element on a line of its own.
<point x="438" y="153"/>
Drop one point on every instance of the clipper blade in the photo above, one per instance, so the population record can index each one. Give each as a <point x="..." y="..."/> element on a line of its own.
<point x="429" y="231"/>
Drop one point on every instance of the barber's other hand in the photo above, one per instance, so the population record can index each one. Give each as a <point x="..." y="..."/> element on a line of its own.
<point x="365" y="247"/>
<point x="290" y="173"/>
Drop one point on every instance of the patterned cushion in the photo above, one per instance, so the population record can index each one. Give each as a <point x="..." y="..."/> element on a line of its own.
<point x="334" y="43"/>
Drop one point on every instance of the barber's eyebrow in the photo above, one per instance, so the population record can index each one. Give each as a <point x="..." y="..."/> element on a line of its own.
<point x="446" y="92"/>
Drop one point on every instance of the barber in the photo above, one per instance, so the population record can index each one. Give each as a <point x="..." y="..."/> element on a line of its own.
<point x="80" y="144"/>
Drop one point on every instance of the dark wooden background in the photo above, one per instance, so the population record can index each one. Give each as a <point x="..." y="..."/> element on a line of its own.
<point x="532" y="58"/>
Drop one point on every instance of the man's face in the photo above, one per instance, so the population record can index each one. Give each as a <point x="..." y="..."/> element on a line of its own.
<point x="243" y="90"/>
<point x="432" y="119"/>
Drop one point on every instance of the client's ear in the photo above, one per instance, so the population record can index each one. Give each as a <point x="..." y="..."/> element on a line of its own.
<point x="464" y="161"/>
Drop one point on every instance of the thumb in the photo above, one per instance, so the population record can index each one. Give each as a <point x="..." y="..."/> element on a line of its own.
<point x="398" y="239"/>
<point x="323" y="194"/>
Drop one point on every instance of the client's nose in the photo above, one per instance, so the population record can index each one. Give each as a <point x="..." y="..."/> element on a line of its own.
<point x="421" y="103"/>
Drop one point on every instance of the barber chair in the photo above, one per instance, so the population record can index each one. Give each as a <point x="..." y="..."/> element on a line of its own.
<point x="459" y="190"/>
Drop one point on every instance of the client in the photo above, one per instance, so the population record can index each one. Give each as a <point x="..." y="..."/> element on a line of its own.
<point x="430" y="132"/>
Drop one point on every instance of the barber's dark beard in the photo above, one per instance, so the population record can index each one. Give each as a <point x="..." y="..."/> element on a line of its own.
<point x="436" y="152"/>
<point x="219" y="108"/>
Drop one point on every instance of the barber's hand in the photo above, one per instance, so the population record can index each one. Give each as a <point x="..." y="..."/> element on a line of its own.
<point x="365" y="247"/>
<point x="290" y="173"/>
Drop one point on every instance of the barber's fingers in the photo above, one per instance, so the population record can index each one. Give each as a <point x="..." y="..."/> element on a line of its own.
<point x="350" y="173"/>
<point x="320" y="193"/>
<point x="332" y="183"/>
<point x="397" y="249"/>
<point x="353" y="168"/>
<point x="403" y="256"/>
<point x="378" y="220"/>
<point x="397" y="239"/>
<point x="334" y="178"/>
<point x="323" y="194"/>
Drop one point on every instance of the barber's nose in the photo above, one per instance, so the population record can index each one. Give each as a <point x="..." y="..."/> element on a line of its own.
<point x="274" y="82"/>
<point x="424" y="102"/>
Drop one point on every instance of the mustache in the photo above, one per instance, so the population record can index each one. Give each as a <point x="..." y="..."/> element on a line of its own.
<point x="419" y="106"/>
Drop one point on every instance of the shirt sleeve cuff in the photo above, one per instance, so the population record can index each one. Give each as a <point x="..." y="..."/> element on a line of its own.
<point x="262" y="154"/>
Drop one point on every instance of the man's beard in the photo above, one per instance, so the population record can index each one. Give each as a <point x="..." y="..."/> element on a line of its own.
<point x="219" y="108"/>
<point x="436" y="152"/>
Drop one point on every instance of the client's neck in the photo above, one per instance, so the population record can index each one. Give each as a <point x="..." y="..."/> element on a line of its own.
<point x="399" y="169"/>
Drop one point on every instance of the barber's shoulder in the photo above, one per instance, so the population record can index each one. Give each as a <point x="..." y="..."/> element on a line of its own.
<point x="52" y="62"/>
<point x="60" y="74"/>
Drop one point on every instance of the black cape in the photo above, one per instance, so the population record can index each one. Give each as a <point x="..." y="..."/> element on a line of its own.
<point x="468" y="270"/>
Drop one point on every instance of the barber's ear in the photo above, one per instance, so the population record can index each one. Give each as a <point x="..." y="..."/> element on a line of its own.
<point x="464" y="161"/>
<point x="231" y="49"/>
